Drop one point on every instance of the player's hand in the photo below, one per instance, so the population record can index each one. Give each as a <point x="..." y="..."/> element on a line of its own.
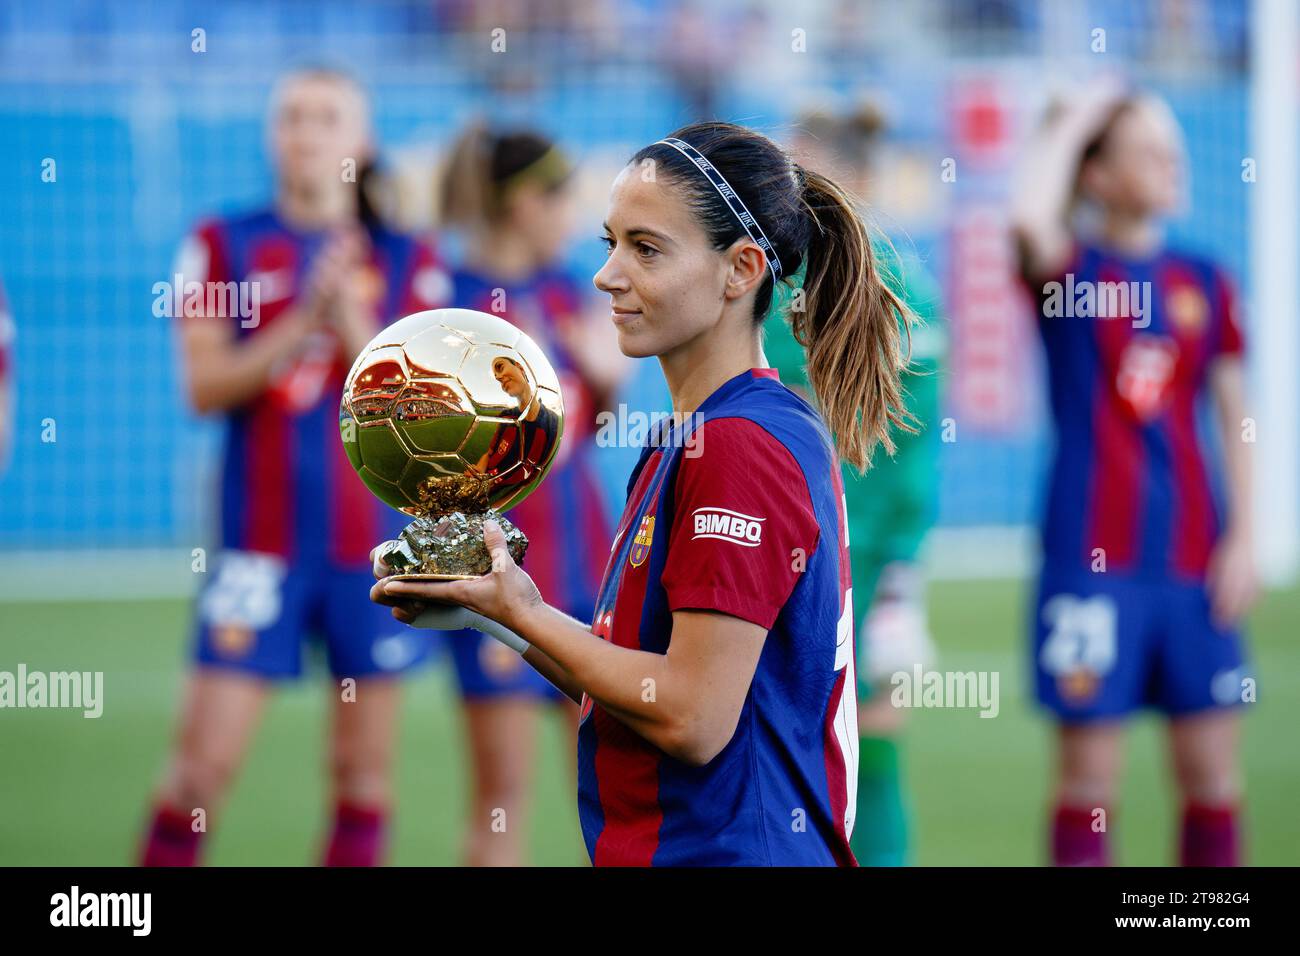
<point x="351" y="315"/>
<point x="405" y="610"/>
<point x="332" y="273"/>
<point x="378" y="565"/>
<point x="1088" y="110"/>
<point x="1232" y="579"/>
<point x="505" y="594"/>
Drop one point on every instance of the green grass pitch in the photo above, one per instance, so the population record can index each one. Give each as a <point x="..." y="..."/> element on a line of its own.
<point x="74" y="791"/>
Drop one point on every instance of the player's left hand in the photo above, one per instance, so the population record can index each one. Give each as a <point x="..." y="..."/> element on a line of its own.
<point x="350" y="314"/>
<point x="505" y="594"/>
<point x="1231" y="579"/>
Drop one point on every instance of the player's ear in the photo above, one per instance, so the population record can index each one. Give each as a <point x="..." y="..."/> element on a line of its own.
<point x="748" y="265"/>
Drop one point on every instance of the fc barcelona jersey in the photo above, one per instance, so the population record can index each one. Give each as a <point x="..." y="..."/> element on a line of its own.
<point x="1129" y="344"/>
<point x="528" y="445"/>
<point x="287" y="487"/>
<point x="738" y="510"/>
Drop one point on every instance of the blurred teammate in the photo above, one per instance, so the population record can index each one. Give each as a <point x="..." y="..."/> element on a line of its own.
<point x="1144" y="578"/>
<point x="890" y="509"/>
<point x="296" y="523"/>
<point x="508" y="191"/>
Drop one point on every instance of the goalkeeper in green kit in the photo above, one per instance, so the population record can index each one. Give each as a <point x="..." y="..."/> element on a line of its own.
<point x="890" y="509"/>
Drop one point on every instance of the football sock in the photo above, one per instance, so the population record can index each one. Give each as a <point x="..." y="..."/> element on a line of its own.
<point x="1075" y="840"/>
<point x="358" y="835"/>
<point x="1209" y="836"/>
<point x="880" y="828"/>
<point x="171" y="839"/>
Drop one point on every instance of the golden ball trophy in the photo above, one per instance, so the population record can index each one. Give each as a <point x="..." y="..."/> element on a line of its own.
<point x="451" y="416"/>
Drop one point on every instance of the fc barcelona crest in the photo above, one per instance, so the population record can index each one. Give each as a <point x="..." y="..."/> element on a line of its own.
<point x="641" y="543"/>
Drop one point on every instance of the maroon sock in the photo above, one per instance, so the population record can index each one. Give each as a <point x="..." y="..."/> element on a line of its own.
<point x="358" y="835"/>
<point x="171" y="840"/>
<point x="1074" y="841"/>
<point x="1209" y="836"/>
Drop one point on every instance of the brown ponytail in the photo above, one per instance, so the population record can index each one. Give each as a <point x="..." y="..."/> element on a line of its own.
<point x="850" y="322"/>
<point x="851" y="327"/>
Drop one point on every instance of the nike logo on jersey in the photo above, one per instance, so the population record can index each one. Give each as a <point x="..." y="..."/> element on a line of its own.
<point x="724" y="524"/>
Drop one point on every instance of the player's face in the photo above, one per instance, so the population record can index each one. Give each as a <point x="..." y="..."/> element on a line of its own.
<point x="510" y="377"/>
<point x="665" y="280"/>
<point x="1139" y="171"/>
<point x="318" y="122"/>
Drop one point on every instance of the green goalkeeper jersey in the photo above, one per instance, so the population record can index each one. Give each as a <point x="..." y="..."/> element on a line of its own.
<point x="891" y="507"/>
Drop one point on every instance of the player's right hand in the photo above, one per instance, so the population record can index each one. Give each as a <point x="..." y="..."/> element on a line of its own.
<point x="505" y="594"/>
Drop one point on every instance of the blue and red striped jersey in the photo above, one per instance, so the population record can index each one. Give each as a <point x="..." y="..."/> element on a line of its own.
<point x="529" y="445"/>
<point x="564" y="517"/>
<point x="737" y="510"/>
<point x="1129" y="344"/>
<point x="287" y="487"/>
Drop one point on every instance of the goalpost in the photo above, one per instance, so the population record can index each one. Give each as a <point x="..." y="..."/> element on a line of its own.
<point x="1274" y="141"/>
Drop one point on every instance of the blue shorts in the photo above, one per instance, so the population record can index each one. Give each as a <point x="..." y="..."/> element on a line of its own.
<point x="255" y="614"/>
<point x="487" y="668"/>
<point x="1106" y="645"/>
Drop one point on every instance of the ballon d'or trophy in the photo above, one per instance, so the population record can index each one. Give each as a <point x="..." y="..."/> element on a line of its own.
<point x="451" y="416"/>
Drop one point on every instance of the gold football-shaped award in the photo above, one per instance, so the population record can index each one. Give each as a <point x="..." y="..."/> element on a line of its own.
<point x="451" y="416"/>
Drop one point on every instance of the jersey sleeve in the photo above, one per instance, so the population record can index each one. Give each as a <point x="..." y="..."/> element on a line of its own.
<point x="743" y="527"/>
<point x="202" y="258"/>
<point x="1229" y="340"/>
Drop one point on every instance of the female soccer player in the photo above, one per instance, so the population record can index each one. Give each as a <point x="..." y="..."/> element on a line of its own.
<point x="716" y="679"/>
<point x="296" y="524"/>
<point x="1144" y="579"/>
<point x="507" y="192"/>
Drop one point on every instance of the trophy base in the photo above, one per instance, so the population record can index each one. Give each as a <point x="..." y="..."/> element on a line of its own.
<point x="449" y="548"/>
